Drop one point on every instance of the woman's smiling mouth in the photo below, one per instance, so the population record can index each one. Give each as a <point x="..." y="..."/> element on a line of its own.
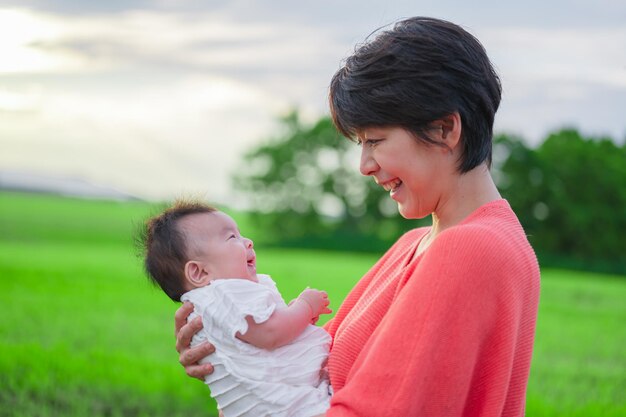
<point x="391" y="185"/>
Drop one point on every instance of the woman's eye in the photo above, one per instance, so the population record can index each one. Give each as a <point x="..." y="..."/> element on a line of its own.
<point x="368" y="142"/>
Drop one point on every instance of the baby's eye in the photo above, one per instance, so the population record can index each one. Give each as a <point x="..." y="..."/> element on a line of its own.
<point x="232" y="236"/>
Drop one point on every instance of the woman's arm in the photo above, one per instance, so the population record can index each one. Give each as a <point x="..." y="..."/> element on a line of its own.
<point x="287" y="323"/>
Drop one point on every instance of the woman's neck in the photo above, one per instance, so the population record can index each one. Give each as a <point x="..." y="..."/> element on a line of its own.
<point x="467" y="192"/>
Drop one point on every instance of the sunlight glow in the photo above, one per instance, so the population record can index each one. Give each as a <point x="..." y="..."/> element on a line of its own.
<point x="16" y="102"/>
<point x="20" y="31"/>
<point x="178" y="93"/>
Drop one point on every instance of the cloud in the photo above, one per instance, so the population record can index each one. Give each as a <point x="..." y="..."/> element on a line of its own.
<point x="592" y="55"/>
<point x="150" y="102"/>
<point x="188" y="42"/>
<point x="149" y="140"/>
<point x="557" y="77"/>
<point x="539" y="107"/>
<point x="154" y="97"/>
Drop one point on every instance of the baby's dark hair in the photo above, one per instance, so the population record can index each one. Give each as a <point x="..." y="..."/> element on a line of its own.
<point x="164" y="247"/>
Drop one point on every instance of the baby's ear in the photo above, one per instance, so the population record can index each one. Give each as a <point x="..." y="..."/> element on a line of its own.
<point x="196" y="274"/>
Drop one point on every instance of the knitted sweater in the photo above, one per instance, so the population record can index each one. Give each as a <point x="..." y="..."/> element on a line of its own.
<point x="447" y="333"/>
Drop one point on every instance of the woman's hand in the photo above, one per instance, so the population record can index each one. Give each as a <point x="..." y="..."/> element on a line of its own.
<point x="189" y="356"/>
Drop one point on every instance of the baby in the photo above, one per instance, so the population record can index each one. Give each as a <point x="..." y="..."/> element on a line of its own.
<point x="268" y="355"/>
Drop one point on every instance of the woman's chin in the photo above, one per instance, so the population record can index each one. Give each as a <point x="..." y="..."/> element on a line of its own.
<point x="409" y="213"/>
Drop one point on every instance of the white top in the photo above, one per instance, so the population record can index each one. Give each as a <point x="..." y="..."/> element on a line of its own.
<point x="250" y="381"/>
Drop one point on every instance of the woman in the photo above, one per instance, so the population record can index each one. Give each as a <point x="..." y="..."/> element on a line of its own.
<point x="443" y="324"/>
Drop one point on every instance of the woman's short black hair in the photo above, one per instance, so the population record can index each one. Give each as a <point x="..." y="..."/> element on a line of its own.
<point x="420" y="70"/>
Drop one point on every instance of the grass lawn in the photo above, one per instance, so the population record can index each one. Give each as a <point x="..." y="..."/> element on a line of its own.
<point x="84" y="334"/>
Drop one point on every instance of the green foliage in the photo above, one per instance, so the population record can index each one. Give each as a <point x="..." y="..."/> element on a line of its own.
<point x="570" y="195"/>
<point x="305" y="188"/>
<point x="83" y="333"/>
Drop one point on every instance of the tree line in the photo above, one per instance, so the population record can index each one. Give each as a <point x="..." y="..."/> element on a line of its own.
<point x="569" y="192"/>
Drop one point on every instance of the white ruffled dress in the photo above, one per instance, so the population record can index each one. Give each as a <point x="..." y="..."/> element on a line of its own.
<point x="249" y="381"/>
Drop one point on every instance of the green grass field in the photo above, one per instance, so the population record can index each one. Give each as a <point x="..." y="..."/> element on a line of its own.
<point x="84" y="334"/>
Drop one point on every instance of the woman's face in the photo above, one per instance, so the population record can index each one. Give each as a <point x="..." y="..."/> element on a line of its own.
<point x="415" y="174"/>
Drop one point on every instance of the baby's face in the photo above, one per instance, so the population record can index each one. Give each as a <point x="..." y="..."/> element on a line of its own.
<point x="214" y="240"/>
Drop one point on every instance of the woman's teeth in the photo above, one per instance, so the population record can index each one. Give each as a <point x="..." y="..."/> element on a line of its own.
<point x="392" y="185"/>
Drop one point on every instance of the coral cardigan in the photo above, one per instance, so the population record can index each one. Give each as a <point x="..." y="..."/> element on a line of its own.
<point x="447" y="333"/>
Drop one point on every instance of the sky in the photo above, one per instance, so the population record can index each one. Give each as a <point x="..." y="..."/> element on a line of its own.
<point x="160" y="98"/>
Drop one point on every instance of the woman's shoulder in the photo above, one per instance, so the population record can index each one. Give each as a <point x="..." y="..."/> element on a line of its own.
<point x="491" y="236"/>
<point x="490" y="224"/>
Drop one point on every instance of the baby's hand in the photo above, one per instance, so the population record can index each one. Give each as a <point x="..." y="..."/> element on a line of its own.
<point x="317" y="300"/>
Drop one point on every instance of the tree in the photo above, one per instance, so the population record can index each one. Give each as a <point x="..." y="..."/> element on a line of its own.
<point x="305" y="186"/>
<point x="586" y="193"/>
<point x="570" y="196"/>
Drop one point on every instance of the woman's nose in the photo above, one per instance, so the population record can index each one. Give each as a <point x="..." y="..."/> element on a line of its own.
<point x="368" y="165"/>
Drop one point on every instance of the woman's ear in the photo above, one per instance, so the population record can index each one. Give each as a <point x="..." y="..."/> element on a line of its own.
<point x="197" y="274"/>
<point x="449" y="129"/>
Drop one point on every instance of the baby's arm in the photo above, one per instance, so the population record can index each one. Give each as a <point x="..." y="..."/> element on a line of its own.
<point x="286" y="323"/>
